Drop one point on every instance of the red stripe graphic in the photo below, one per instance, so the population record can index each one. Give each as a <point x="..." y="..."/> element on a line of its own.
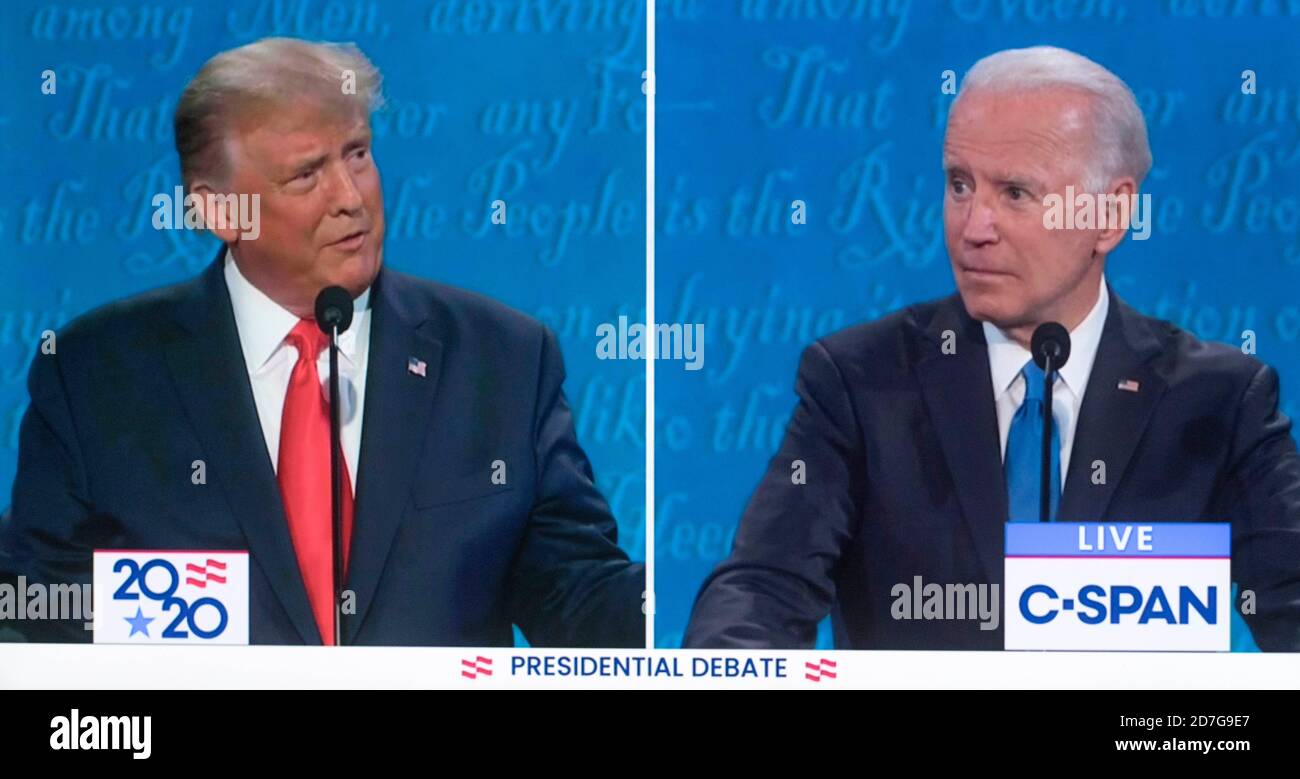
<point x="479" y="666"/>
<point x="204" y="582"/>
<point x="820" y="670"/>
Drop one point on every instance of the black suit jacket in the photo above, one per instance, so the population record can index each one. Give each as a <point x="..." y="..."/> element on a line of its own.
<point x="140" y="389"/>
<point x="904" y="478"/>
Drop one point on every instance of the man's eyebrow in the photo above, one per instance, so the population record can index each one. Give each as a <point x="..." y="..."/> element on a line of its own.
<point x="357" y="141"/>
<point x="308" y="165"/>
<point x="1018" y="179"/>
<point x="1022" y="180"/>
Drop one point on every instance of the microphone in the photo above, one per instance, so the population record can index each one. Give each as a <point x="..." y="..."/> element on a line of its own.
<point x="1050" y="347"/>
<point x="334" y="316"/>
<point x="333" y="308"/>
<point x="1050" y="342"/>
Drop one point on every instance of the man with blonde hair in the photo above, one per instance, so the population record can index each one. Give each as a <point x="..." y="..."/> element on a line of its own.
<point x="468" y="504"/>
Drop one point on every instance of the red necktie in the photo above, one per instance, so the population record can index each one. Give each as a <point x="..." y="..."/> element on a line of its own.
<point x="304" y="476"/>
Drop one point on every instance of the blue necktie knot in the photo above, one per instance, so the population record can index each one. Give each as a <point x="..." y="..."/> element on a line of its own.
<point x="1033" y="382"/>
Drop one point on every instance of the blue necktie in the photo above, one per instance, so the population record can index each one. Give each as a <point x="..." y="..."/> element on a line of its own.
<point x="1023" y="463"/>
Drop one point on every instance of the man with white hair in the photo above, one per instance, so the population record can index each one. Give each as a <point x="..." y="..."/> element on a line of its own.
<point x="920" y="433"/>
<point x="468" y="504"/>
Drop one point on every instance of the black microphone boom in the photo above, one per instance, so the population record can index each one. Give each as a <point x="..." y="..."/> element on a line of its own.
<point x="333" y="316"/>
<point x="1050" y="347"/>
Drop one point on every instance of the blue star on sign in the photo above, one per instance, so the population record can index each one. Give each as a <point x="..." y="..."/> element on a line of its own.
<point x="139" y="623"/>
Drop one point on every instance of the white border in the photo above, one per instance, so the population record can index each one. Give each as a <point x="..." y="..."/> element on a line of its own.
<point x="650" y="319"/>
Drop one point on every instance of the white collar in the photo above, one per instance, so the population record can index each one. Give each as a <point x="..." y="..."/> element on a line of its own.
<point x="264" y="324"/>
<point x="1007" y="357"/>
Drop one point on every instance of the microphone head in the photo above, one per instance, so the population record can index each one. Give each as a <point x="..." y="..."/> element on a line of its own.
<point x="1050" y="339"/>
<point x="333" y="309"/>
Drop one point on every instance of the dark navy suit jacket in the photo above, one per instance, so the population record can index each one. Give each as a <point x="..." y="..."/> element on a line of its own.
<point x="904" y="479"/>
<point x="140" y="389"/>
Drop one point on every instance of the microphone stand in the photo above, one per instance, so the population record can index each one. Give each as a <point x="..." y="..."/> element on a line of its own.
<point x="336" y="484"/>
<point x="1045" y="484"/>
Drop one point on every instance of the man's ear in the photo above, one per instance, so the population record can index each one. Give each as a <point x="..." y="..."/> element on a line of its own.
<point x="220" y="212"/>
<point x="1117" y="204"/>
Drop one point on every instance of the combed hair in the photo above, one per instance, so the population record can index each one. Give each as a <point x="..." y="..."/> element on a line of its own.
<point x="268" y="73"/>
<point x="1120" y="131"/>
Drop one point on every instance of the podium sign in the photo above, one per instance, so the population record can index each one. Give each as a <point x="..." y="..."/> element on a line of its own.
<point x="170" y="597"/>
<point x="1118" y="586"/>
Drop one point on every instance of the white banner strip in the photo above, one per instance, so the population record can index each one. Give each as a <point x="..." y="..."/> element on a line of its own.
<point x="73" y="666"/>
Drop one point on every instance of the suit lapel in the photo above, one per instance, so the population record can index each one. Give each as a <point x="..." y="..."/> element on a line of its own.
<point x="1112" y="420"/>
<point x="959" y="394"/>
<point x="397" y="407"/>
<point x="207" y="366"/>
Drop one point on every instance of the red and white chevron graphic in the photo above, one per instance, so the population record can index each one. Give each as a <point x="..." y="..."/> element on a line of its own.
<point x="822" y="669"/>
<point x="479" y="666"/>
<point x="202" y="571"/>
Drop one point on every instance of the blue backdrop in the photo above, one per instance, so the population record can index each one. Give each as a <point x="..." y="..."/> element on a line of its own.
<point x="539" y="105"/>
<point x="838" y="104"/>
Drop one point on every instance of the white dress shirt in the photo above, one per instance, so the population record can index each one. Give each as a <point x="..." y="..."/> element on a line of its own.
<point x="1006" y="358"/>
<point x="263" y="326"/>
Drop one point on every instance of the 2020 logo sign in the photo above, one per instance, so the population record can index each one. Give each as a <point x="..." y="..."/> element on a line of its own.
<point x="145" y="596"/>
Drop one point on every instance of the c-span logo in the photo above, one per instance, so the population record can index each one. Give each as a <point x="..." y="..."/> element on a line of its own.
<point x="1118" y="586"/>
<point x="172" y="597"/>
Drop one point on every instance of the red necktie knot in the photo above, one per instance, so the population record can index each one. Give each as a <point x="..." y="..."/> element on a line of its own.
<point x="307" y="338"/>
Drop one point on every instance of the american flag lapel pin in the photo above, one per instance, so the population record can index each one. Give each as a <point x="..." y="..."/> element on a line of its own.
<point x="417" y="366"/>
<point x="1129" y="385"/>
